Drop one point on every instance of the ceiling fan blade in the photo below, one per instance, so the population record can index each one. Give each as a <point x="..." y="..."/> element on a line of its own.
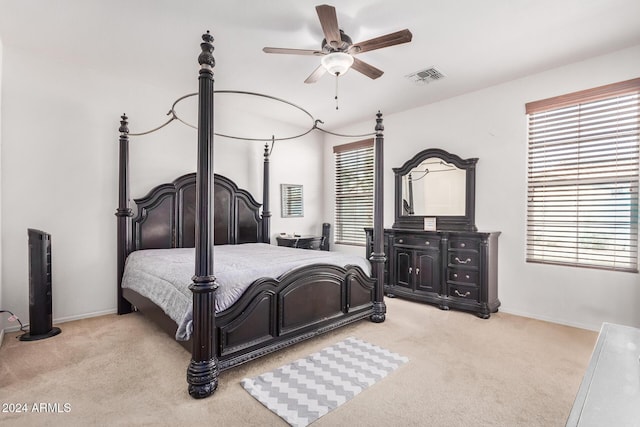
<point x="329" y="23"/>
<point x="286" y="51"/>
<point x="390" y="39"/>
<point x="315" y="76"/>
<point x="366" y="69"/>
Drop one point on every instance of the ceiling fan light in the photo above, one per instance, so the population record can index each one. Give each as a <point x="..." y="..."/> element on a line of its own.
<point x="337" y="63"/>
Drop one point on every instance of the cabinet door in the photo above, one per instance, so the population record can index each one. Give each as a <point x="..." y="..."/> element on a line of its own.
<point x="427" y="271"/>
<point x="404" y="268"/>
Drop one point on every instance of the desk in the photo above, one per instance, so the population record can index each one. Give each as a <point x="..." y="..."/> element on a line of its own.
<point x="610" y="391"/>
<point x="302" y="242"/>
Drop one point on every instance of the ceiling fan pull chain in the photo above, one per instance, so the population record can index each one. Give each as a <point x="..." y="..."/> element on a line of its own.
<point x="336" y="97"/>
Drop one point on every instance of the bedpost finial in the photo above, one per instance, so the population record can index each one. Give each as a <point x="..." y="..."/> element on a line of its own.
<point x="379" y="125"/>
<point x="124" y="125"/>
<point x="205" y="59"/>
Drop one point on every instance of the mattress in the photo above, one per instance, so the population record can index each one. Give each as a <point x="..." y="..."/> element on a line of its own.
<point x="164" y="275"/>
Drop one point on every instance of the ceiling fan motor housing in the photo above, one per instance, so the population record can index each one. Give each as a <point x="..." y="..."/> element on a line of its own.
<point x="346" y="42"/>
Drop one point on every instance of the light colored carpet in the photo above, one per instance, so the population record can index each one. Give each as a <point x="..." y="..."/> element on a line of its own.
<point x="462" y="371"/>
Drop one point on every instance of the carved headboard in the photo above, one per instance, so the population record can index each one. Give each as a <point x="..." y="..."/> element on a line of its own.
<point x="166" y="216"/>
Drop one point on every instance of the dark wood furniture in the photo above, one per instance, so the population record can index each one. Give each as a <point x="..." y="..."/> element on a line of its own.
<point x="453" y="265"/>
<point x="301" y="242"/>
<point x="451" y="269"/>
<point x="464" y="219"/>
<point x="204" y="209"/>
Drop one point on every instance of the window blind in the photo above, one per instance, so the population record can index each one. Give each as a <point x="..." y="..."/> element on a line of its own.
<point x="353" y="191"/>
<point x="291" y="200"/>
<point x="583" y="166"/>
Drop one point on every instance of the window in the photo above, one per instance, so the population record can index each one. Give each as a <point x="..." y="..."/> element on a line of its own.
<point x="582" y="207"/>
<point x="354" y="192"/>
<point x="291" y="201"/>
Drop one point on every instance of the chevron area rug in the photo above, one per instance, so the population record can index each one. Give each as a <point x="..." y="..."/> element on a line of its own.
<point x="304" y="390"/>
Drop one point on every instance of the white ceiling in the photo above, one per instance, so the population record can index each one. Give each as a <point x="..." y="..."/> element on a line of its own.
<point x="475" y="43"/>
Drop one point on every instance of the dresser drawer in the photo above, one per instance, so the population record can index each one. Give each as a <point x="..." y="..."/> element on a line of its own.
<point x="462" y="276"/>
<point x="463" y="292"/>
<point x="464" y="243"/>
<point x="464" y="258"/>
<point x="419" y="241"/>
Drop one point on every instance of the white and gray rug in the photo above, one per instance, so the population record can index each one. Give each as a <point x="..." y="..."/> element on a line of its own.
<point x="304" y="390"/>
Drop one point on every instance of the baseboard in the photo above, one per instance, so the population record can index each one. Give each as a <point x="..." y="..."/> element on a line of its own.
<point x="67" y="319"/>
<point x="552" y="320"/>
<point x="85" y="316"/>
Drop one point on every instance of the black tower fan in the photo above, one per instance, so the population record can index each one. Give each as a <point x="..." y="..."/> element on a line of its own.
<point x="40" y="306"/>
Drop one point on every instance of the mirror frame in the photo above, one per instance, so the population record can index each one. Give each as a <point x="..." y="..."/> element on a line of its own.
<point x="464" y="222"/>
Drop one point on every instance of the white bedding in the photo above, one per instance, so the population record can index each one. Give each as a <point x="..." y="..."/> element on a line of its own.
<point x="164" y="275"/>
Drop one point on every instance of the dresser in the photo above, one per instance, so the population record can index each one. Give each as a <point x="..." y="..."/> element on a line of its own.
<point x="434" y="253"/>
<point x="450" y="269"/>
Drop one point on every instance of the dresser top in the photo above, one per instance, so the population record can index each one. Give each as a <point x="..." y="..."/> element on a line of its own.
<point x="454" y="232"/>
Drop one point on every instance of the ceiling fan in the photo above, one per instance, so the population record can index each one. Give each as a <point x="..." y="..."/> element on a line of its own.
<point x="337" y="49"/>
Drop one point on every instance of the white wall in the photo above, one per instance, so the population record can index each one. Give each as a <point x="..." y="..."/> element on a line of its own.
<point x="298" y="161"/>
<point x="491" y="124"/>
<point x="59" y="172"/>
<point x="2" y="321"/>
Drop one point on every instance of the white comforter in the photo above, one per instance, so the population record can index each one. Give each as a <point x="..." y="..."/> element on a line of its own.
<point x="164" y="275"/>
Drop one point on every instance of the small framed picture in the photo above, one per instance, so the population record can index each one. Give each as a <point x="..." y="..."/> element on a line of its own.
<point x="430" y="224"/>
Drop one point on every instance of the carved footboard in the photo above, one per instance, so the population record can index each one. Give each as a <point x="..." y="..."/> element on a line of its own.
<point x="301" y="304"/>
<point x="273" y="314"/>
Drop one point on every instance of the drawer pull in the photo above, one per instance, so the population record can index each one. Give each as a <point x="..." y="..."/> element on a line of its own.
<point x="427" y="243"/>
<point x="466" y="276"/>
<point x="400" y="241"/>
<point x="410" y="270"/>
<point x="468" y="260"/>
<point x="466" y="294"/>
<point x="462" y="245"/>
<point x="417" y="271"/>
<point x="455" y="275"/>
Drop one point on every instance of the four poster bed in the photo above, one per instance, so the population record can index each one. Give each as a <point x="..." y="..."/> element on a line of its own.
<point x="231" y="318"/>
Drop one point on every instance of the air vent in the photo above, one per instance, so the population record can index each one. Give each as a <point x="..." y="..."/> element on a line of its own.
<point x="425" y="76"/>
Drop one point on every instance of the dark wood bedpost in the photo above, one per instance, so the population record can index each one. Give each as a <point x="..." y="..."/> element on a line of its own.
<point x="266" y="212"/>
<point x="377" y="256"/>
<point x="202" y="373"/>
<point x="123" y="212"/>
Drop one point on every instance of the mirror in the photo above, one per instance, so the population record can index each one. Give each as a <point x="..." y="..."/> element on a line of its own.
<point x="291" y="201"/>
<point x="437" y="185"/>
<point x="434" y="188"/>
